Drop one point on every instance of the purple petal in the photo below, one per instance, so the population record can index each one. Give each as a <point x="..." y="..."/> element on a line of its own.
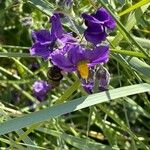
<point x="90" y="19"/>
<point x="66" y="49"/>
<point x="103" y="15"/>
<point x="98" y="55"/>
<point x="62" y="62"/>
<point x="111" y="24"/>
<point x="94" y="37"/>
<point x="42" y="36"/>
<point x="68" y="38"/>
<point x="65" y="39"/>
<point x="56" y="29"/>
<point x="40" y="50"/>
<point x="92" y="22"/>
<point x="104" y="78"/>
<point x="88" y="86"/>
<point x="40" y="89"/>
<point x="40" y="97"/>
<point x="76" y="54"/>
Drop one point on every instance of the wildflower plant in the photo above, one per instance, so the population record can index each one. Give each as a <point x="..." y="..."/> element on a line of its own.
<point x="74" y="74"/>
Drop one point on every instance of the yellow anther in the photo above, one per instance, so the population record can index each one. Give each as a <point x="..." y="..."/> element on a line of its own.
<point x="83" y="69"/>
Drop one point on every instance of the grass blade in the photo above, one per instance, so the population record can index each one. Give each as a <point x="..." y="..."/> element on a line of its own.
<point x="71" y="106"/>
<point x="135" y="6"/>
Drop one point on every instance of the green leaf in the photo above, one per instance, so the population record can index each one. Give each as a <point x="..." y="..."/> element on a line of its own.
<point x="135" y="6"/>
<point x="43" y="6"/>
<point x="139" y="66"/>
<point x="69" y="91"/>
<point x="71" y="106"/>
<point x="129" y="53"/>
<point x="13" y="47"/>
<point x="12" y="54"/>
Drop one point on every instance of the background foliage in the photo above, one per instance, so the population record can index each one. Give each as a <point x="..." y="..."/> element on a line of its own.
<point x="116" y="119"/>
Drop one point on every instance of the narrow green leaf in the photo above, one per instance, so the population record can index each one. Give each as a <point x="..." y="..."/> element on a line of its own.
<point x="20" y="65"/>
<point x="9" y="73"/>
<point x="15" y="81"/>
<point x="145" y="43"/>
<point x="12" y="54"/>
<point x="71" y="106"/>
<point x="13" y="47"/>
<point x="19" y="146"/>
<point x="43" y="6"/>
<point x="9" y="142"/>
<point x="135" y="6"/>
<point x="23" y="67"/>
<point x="69" y="91"/>
<point x="129" y="53"/>
<point x="139" y="66"/>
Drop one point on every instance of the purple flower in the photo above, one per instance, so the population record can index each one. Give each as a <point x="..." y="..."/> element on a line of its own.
<point x="40" y="89"/>
<point x="80" y="59"/>
<point x="47" y="41"/>
<point x="97" y="24"/>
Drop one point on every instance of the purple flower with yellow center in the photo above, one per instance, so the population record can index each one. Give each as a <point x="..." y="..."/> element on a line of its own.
<point x="97" y="24"/>
<point x="40" y="89"/>
<point x="46" y="41"/>
<point x="80" y="59"/>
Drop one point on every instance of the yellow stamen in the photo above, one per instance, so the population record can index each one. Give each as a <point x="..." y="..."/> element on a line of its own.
<point x="83" y="69"/>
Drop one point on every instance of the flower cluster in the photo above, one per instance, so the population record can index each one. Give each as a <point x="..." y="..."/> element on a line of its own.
<point x="65" y="52"/>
